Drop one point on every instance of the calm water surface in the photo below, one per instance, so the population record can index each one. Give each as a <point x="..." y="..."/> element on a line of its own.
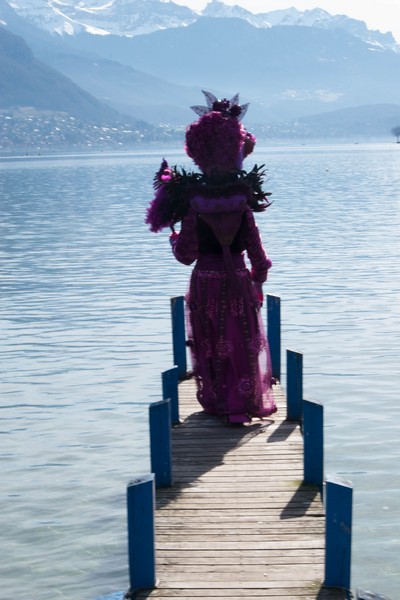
<point x="85" y="334"/>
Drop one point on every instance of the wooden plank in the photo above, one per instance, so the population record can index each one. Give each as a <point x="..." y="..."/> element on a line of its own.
<point x="239" y="584"/>
<point x="247" y="559"/>
<point x="256" y="554"/>
<point x="280" y="593"/>
<point x="237" y="521"/>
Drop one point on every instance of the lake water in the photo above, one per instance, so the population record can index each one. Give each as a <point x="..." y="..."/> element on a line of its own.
<point x="85" y="334"/>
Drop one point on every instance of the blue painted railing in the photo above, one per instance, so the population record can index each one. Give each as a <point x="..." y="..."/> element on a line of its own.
<point x="294" y="385"/>
<point x="274" y="333"/>
<point x="160" y="442"/>
<point x="141" y="533"/>
<point x="313" y="435"/>
<point x="338" y="494"/>
<point x="170" y="380"/>
<point x="178" y="335"/>
<point x="338" y="530"/>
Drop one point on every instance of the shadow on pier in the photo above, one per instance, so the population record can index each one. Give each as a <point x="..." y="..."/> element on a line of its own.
<point x="202" y="441"/>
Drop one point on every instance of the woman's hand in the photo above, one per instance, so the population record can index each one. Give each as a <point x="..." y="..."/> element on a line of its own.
<point x="172" y="238"/>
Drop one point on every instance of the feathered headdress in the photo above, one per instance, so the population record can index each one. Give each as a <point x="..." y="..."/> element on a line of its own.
<point x="217" y="142"/>
<point x="229" y="108"/>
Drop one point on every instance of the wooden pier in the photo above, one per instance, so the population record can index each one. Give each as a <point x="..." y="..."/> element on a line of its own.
<point x="238" y="521"/>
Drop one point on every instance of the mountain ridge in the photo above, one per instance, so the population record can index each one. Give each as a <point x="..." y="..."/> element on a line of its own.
<point x="138" y="17"/>
<point x="290" y="71"/>
<point x="26" y="81"/>
<point x="287" y="73"/>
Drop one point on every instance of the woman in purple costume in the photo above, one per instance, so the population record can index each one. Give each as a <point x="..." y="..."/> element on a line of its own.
<point x="229" y="349"/>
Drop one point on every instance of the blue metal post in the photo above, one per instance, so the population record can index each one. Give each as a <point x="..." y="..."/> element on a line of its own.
<point x="274" y="333"/>
<point x="160" y="442"/>
<point x="141" y="537"/>
<point x="170" y="390"/>
<point x="313" y="431"/>
<point x="338" y="508"/>
<point x="294" y="385"/>
<point x="178" y="334"/>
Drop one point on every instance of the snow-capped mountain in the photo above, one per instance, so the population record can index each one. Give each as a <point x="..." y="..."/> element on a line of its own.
<point x="117" y="17"/>
<point x="309" y="18"/>
<point x="290" y="64"/>
<point x="137" y="17"/>
<point x="323" y="20"/>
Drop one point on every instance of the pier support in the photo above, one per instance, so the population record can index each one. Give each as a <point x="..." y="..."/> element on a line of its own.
<point x="274" y="333"/>
<point x="339" y="508"/>
<point x="178" y="334"/>
<point x="294" y="385"/>
<point x="313" y="432"/>
<point x="170" y="390"/>
<point x="160" y="442"/>
<point x="141" y="537"/>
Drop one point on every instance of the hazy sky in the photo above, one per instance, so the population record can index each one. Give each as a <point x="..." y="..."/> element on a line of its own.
<point x="378" y="14"/>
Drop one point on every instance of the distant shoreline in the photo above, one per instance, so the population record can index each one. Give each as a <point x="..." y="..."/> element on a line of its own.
<point x="157" y="147"/>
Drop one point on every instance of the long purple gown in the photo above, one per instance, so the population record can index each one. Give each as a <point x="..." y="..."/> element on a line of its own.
<point x="229" y="349"/>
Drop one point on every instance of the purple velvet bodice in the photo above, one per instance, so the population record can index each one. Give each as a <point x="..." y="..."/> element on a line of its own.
<point x="229" y="219"/>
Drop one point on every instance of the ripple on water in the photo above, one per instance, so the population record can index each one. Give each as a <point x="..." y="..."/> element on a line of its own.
<point x="86" y="333"/>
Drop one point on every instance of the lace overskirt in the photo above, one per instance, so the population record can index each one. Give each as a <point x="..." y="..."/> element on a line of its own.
<point x="229" y="348"/>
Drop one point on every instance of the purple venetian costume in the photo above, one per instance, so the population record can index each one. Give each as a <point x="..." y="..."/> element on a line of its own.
<point x="229" y="348"/>
<point x="230" y="353"/>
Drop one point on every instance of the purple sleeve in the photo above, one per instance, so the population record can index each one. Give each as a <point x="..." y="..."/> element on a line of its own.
<point x="260" y="263"/>
<point x="185" y="244"/>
